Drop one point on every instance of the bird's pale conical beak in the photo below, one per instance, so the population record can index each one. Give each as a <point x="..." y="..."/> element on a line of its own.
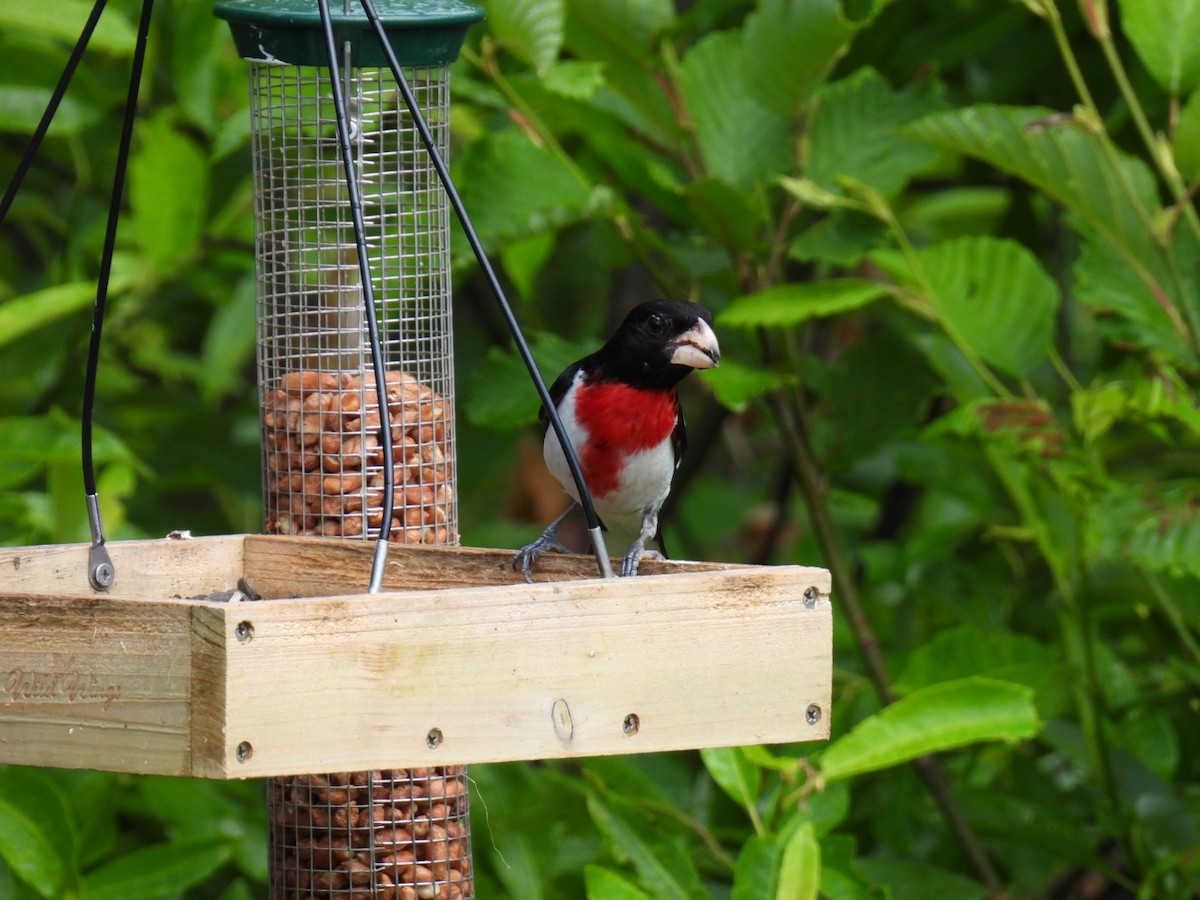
<point x="697" y="347"/>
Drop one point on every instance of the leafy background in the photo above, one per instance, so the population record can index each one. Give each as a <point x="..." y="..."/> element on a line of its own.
<point x="954" y="257"/>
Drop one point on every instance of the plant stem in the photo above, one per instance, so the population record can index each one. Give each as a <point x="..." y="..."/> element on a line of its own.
<point x="808" y="476"/>
<point x="1174" y="615"/>
<point x="1169" y="174"/>
<point x="1096" y="123"/>
<point x="1063" y="370"/>
<point x="1075" y="625"/>
<point x="1178" y="189"/>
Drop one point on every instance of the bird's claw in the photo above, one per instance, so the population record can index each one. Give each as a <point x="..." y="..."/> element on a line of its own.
<point x="631" y="560"/>
<point x="524" y="558"/>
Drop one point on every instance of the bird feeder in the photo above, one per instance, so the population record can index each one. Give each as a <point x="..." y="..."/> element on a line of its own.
<point x="275" y="655"/>
<point x="326" y="464"/>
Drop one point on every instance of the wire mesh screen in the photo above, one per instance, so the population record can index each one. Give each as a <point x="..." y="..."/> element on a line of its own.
<point x="323" y="467"/>
<point x="396" y="834"/>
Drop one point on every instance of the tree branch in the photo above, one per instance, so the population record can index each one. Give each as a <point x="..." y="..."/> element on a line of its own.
<point x="808" y="476"/>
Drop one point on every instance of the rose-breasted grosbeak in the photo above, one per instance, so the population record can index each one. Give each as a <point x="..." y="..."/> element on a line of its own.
<point x="620" y="408"/>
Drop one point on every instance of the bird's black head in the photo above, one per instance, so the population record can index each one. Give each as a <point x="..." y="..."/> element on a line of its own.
<point x="660" y="342"/>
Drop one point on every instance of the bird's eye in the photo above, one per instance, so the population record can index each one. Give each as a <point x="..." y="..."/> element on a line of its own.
<point x="656" y="324"/>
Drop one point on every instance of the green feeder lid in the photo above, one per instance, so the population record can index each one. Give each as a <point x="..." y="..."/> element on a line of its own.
<point x="421" y="32"/>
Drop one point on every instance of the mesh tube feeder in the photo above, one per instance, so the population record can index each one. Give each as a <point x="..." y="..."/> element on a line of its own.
<point x="353" y="285"/>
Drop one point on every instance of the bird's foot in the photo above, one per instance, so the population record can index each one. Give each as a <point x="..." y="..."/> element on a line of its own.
<point x="631" y="560"/>
<point x="524" y="558"/>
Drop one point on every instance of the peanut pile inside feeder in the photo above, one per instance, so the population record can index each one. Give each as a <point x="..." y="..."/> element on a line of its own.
<point x="396" y="834"/>
<point x="324" y="457"/>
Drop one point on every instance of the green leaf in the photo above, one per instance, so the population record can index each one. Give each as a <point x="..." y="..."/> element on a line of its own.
<point x="229" y="342"/>
<point x="64" y="20"/>
<point x="574" y="79"/>
<point x="196" y="42"/>
<point x="736" y="385"/>
<point x="907" y="880"/>
<point x="623" y="36"/>
<point x="839" y="885"/>
<point x="756" y="873"/>
<point x="736" y="775"/>
<point x="155" y="871"/>
<point x="531" y="29"/>
<point x="955" y="212"/>
<point x="741" y="141"/>
<point x="605" y="884"/>
<point x="168" y="190"/>
<point x="854" y="134"/>
<point x="523" y="259"/>
<point x="21" y="315"/>
<point x="788" y="305"/>
<point x="1071" y="166"/>
<point x="734" y="218"/>
<point x="33" y="855"/>
<point x="90" y="798"/>
<point x="782" y="79"/>
<point x="22" y="108"/>
<point x="1186" y="140"/>
<point x="1166" y="35"/>
<point x="812" y="194"/>
<point x="515" y="188"/>
<point x="825" y="809"/>
<point x="996" y="297"/>
<point x="1037" y="822"/>
<point x="932" y="720"/>
<point x="963" y="651"/>
<point x="521" y="872"/>
<point x="1127" y="309"/>
<point x="800" y="866"/>
<point x="664" y="868"/>
<point x="499" y="393"/>
<point x="842" y="238"/>
<point x="238" y="890"/>
<point x="602" y="28"/>
<point x="1155" y="526"/>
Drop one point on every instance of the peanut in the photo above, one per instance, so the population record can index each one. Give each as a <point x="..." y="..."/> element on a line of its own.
<point x="321" y="441"/>
<point x="378" y="833"/>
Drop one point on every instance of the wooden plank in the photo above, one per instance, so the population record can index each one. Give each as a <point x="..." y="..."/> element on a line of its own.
<point x="280" y="566"/>
<point x="149" y="569"/>
<point x="702" y="658"/>
<point x="209" y="694"/>
<point x="337" y="680"/>
<point x="96" y="683"/>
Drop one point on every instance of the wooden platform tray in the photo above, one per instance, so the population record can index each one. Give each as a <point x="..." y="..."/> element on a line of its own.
<point x="457" y="661"/>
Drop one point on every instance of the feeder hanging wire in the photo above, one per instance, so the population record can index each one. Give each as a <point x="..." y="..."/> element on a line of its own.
<point x="460" y="210"/>
<point x="379" y="562"/>
<point x="51" y="108"/>
<point x="100" y="568"/>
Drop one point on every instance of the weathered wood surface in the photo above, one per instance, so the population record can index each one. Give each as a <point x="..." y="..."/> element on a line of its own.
<point x="96" y="683"/>
<point x="338" y="680"/>
<point x="154" y="569"/>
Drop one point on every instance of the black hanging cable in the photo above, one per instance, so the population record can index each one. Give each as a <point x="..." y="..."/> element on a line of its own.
<point x="585" y="496"/>
<point x="51" y="108"/>
<point x="100" y="567"/>
<point x="364" y="268"/>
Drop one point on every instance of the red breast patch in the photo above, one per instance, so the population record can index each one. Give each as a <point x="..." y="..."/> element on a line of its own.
<point x="620" y="420"/>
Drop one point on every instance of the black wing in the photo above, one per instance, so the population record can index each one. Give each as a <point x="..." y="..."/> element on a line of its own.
<point x="559" y="388"/>
<point x="679" y="435"/>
